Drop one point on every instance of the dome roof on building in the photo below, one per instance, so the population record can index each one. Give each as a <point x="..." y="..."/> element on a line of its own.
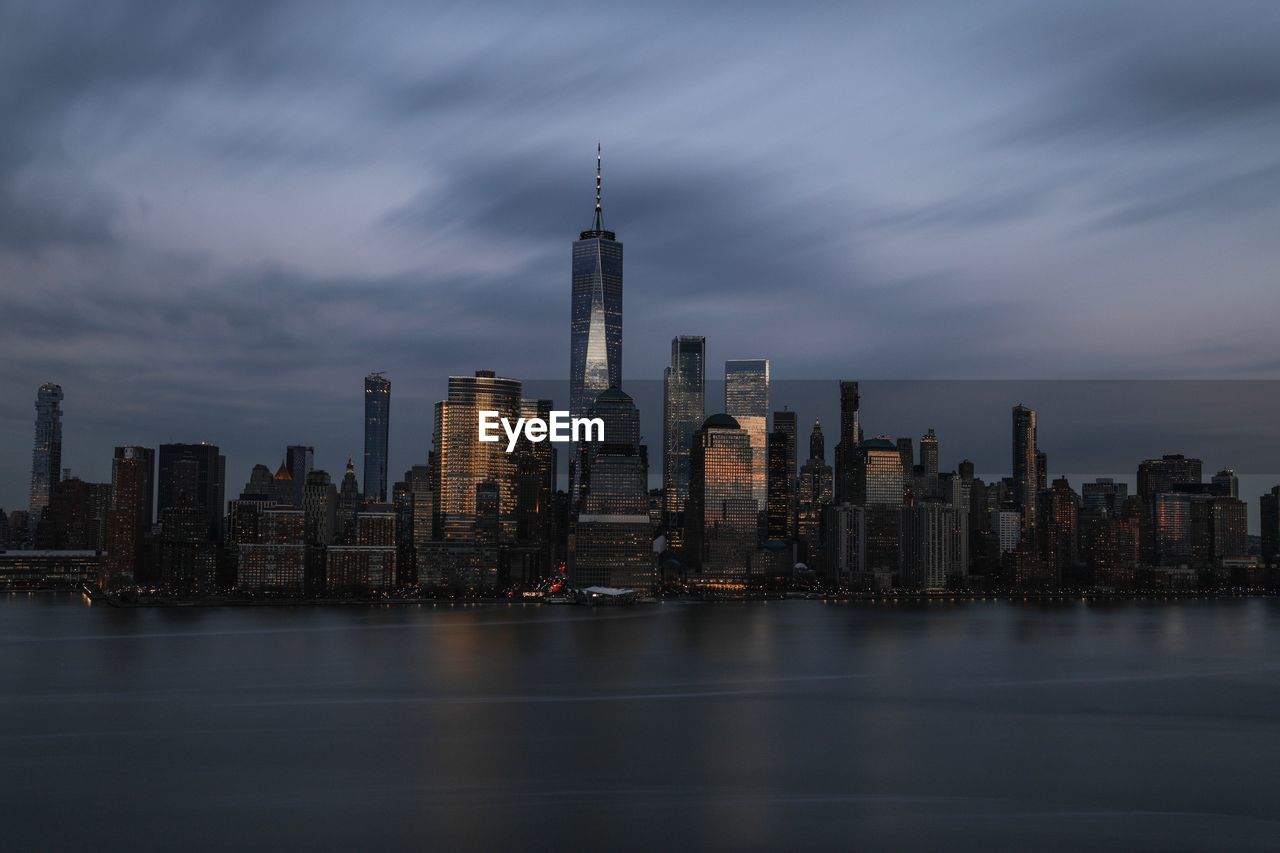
<point x="720" y="421"/>
<point x="879" y="444"/>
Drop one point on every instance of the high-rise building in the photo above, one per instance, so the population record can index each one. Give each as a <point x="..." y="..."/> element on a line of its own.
<point x="463" y="464"/>
<point x="683" y="411"/>
<point x="535" y="493"/>
<point x="46" y="454"/>
<point x="595" y="330"/>
<point x="929" y="460"/>
<point x="193" y="475"/>
<point x="781" y="451"/>
<point x="275" y="561"/>
<point x="299" y="459"/>
<point x="349" y="500"/>
<point x="844" y="553"/>
<point x="906" y="452"/>
<point x="928" y="548"/>
<point x="1156" y="476"/>
<point x="877" y="485"/>
<point x="1026" y="478"/>
<point x="746" y="400"/>
<point x="1057" y="529"/>
<point x="1007" y="525"/>
<point x="377" y="430"/>
<point x="813" y="496"/>
<point x="1225" y="483"/>
<point x="1269" y="511"/>
<point x="610" y="544"/>
<point x="847" y="441"/>
<point x="720" y="520"/>
<point x="1104" y="496"/>
<point x="75" y="519"/>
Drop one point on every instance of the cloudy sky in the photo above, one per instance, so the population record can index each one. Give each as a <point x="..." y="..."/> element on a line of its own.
<point x="215" y="218"/>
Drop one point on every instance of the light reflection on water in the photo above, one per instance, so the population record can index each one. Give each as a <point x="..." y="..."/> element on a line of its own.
<point x="749" y="725"/>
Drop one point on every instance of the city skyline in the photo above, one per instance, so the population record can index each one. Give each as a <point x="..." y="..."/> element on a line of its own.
<point x="1012" y="217"/>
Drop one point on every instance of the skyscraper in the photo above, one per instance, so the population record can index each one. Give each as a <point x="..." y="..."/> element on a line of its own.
<point x="611" y="544"/>
<point x="463" y="464"/>
<point x="781" y="473"/>
<point x="595" y="321"/>
<point x="193" y="475"/>
<point x="46" y="455"/>
<point x="129" y="520"/>
<point x="929" y="458"/>
<point x="377" y="428"/>
<point x="1269" y="512"/>
<point x="720" y="519"/>
<point x="1025" y="475"/>
<point x="813" y="496"/>
<point x="847" y="441"/>
<point x="299" y="459"/>
<point x="746" y="400"/>
<point x="683" y="410"/>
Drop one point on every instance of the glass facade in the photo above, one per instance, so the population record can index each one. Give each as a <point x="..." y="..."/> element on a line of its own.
<point x="746" y="400"/>
<point x="684" y="408"/>
<point x="46" y="455"/>
<point x="1026" y="477"/>
<point x="595" y="321"/>
<point x="377" y="428"/>
<point x="720" y="520"/>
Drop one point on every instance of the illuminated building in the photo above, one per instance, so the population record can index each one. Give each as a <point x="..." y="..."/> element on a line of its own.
<point x="611" y="543"/>
<point x="595" y="330"/>
<point x="746" y="400"/>
<point x="813" y="495"/>
<point x="1104" y="495"/>
<point x="1007" y="525"/>
<point x="319" y="527"/>
<point x="877" y="486"/>
<point x="49" y="569"/>
<point x="720" y="519"/>
<point x="463" y="463"/>
<point x="1057" y="529"/>
<point x="193" y="475"/>
<point x="377" y="430"/>
<point x="283" y="490"/>
<point x="276" y="561"/>
<point x="1156" y="476"/>
<point x="349" y="500"/>
<point x="1025" y="476"/>
<point x="781" y="460"/>
<point x="929" y="462"/>
<point x="683" y="411"/>
<point x="46" y="454"/>
<point x="186" y="559"/>
<point x="368" y="565"/>
<point x="531" y="559"/>
<point x="847" y="441"/>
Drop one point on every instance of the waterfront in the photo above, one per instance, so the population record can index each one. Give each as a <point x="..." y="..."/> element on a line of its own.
<point x="756" y="725"/>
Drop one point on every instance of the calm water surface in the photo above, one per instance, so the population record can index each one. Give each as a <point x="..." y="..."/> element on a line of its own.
<point x="993" y="725"/>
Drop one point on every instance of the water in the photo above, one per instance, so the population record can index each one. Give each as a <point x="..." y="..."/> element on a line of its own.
<point x="782" y="725"/>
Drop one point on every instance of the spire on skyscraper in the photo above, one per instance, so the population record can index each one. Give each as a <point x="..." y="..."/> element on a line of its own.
<point x="599" y="225"/>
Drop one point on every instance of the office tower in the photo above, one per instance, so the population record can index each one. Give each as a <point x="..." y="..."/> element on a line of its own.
<point x="46" y="454"/>
<point x="847" y="442"/>
<point x="957" y="492"/>
<point x="814" y="494"/>
<point x="1164" y="474"/>
<point x="1229" y="534"/>
<point x="282" y="487"/>
<point x="535" y="490"/>
<point x="1225" y="483"/>
<point x="193" y="475"/>
<point x="260" y="486"/>
<point x="817" y="443"/>
<point x="683" y="411"/>
<point x="929" y="460"/>
<point x="1007" y="525"/>
<point x="720" y="519"/>
<point x="299" y="459"/>
<point x="1182" y="529"/>
<point x="1104" y="495"/>
<point x="275" y="562"/>
<point x="76" y="516"/>
<point x="319" y="528"/>
<point x="876" y="475"/>
<point x="595" y="330"/>
<point x="421" y="483"/>
<point x="781" y="446"/>
<point x="746" y="400"/>
<point x="1025" y="476"/>
<point x="965" y="469"/>
<point x="463" y="464"/>
<point x="1269" y="511"/>
<point x="844" y="554"/>
<point x="785" y="422"/>
<point x="928" y="548"/>
<point x="377" y="429"/>
<point x="1057" y="529"/>
<point x="349" y="500"/>
<point x="906" y="452"/>
<point x="1042" y="471"/>
<point x="611" y="543"/>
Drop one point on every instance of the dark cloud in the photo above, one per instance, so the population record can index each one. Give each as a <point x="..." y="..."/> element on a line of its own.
<point x="215" y="218"/>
